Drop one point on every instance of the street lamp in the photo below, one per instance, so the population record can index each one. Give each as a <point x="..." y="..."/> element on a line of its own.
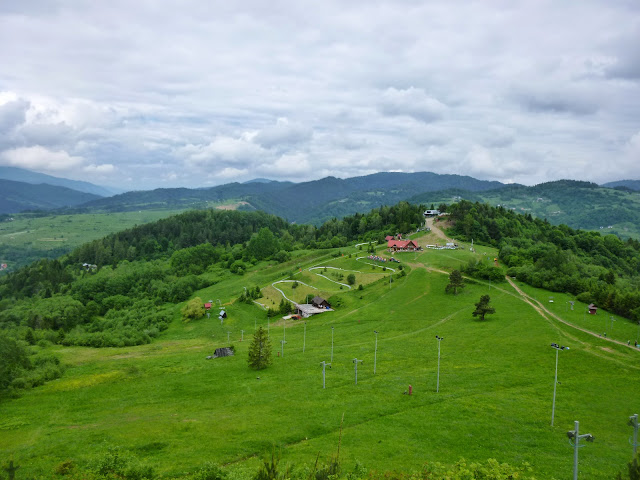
<point x="283" y="342"/>
<point x="331" y="344"/>
<point x="355" y="363"/>
<point x="633" y="422"/>
<point x="242" y="335"/>
<point x="574" y="435"/>
<point x="555" y="382"/>
<point x="228" y="333"/>
<point x="375" y="353"/>
<point x="438" y="378"/>
<point x="324" y="366"/>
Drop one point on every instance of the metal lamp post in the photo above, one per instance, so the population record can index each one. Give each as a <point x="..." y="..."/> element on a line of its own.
<point x="375" y="353"/>
<point x="555" y="382"/>
<point x="576" y="437"/>
<point x="283" y="342"/>
<point x="355" y="363"/>
<point x="228" y="333"/>
<point x="331" y="344"/>
<point x="633" y="422"/>
<point x="242" y="335"/>
<point x="438" y="377"/>
<point x="324" y="366"/>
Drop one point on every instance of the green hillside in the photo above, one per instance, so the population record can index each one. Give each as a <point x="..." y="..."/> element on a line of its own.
<point x="20" y="196"/>
<point x="576" y="204"/>
<point x="163" y="405"/>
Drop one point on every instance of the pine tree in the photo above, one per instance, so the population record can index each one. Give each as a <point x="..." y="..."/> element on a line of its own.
<point x="260" y="350"/>
<point x="483" y="308"/>
<point x="455" y="282"/>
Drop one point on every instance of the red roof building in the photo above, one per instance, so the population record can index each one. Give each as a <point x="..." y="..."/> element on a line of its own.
<point x="207" y="306"/>
<point x="402" y="246"/>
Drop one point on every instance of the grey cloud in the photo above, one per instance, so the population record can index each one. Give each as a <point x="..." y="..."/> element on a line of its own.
<point x="282" y="134"/>
<point x="553" y="100"/>
<point x="13" y="114"/>
<point x="45" y="134"/>
<point x="412" y="102"/>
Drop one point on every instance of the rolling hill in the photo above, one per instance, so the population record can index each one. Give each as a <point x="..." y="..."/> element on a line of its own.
<point x="20" y="196"/>
<point x="27" y="176"/>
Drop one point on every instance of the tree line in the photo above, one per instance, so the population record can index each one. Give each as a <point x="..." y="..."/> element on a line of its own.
<point x="600" y="269"/>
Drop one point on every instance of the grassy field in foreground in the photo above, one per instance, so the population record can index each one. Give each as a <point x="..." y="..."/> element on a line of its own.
<point x="173" y="408"/>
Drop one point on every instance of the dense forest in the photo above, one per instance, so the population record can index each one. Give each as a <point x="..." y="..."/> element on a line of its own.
<point x="119" y="290"/>
<point x="595" y="268"/>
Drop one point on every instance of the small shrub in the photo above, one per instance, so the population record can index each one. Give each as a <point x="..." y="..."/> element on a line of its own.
<point x="64" y="468"/>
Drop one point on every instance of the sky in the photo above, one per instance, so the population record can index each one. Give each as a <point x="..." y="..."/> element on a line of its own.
<point x="191" y="93"/>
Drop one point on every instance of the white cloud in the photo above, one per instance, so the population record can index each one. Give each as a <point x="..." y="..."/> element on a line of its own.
<point x="222" y="151"/>
<point x="101" y="169"/>
<point x="240" y="89"/>
<point x="40" y="159"/>
<point x="283" y="134"/>
<point x="412" y="102"/>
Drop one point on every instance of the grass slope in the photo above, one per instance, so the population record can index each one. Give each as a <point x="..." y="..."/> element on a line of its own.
<point x="173" y="408"/>
<point x="28" y="237"/>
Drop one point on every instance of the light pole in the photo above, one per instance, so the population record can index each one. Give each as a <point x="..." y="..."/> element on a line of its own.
<point x="633" y="422"/>
<point x="283" y="342"/>
<point x="304" y="338"/>
<point x="228" y="333"/>
<point x="242" y="335"/>
<point x="355" y="363"/>
<point x="576" y="437"/>
<point x="331" y="344"/>
<point x="324" y="366"/>
<point x="555" y="382"/>
<point x="612" y="320"/>
<point x="284" y="329"/>
<point x="375" y="353"/>
<point x="438" y="377"/>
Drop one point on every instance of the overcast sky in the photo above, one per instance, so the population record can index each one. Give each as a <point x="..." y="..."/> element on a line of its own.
<point x="144" y="94"/>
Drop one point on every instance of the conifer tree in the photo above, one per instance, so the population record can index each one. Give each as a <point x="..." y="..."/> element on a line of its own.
<point x="260" y="350"/>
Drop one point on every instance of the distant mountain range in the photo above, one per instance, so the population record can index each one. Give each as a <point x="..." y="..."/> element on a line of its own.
<point x="614" y="206"/>
<point x="20" y="196"/>
<point x="630" y="184"/>
<point x="27" y="176"/>
<point x="307" y="202"/>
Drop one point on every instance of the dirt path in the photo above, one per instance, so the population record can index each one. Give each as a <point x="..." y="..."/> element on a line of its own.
<point x="540" y="308"/>
<point x="436" y="230"/>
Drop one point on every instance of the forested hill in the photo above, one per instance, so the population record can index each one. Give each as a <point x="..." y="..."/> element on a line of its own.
<point x="20" y="196"/>
<point x="320" y="200"/>
<point x="308" y="202"/>
<point x="597" y="269"/>
<point x="629" y="184"/>
<point x="581" y="205"/>
<point x="182" y="197"/>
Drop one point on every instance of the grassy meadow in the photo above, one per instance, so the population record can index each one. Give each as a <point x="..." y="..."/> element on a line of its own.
<point x="172" y="408"/>
<point x="28" y="237"/>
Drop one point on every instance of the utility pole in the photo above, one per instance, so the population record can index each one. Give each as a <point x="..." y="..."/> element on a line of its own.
<point x="355" y="363"/>
<point x="324" y="366"/>
<point x="375" y="353"/>
<point x="331" y="344"/>
<point x="576" y="437"/>
<point x="555" y="382"/>
<point x="438" y="377"/>
<point x="633" y="422"/>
